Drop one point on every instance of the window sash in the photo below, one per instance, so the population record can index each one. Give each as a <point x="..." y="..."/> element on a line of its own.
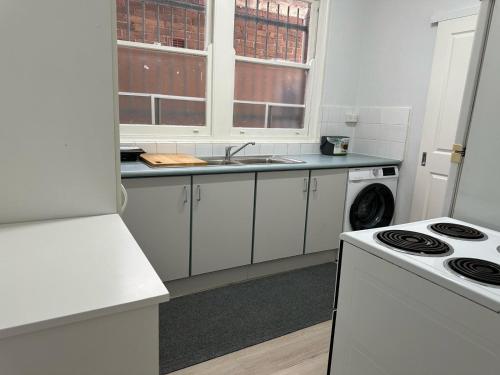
<point x="219" y="116"/>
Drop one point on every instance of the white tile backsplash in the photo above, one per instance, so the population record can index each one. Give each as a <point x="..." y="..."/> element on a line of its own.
<point x="203" y="149"/>
<point x="186" y="148"/>
<point x="267" y="149"/>
<point x="370" y="115"/>
<point x="293" y="149"/>
<point x="251" y="150"/>
<point x="219" y="149"/>
<point x="280" y="149"/>
<point x="395" y="115"/>
<point x="308" y="148"/>
<point x="380" y="131"/>
<point x="148" y="147"/>
<point x="166" y="148"/>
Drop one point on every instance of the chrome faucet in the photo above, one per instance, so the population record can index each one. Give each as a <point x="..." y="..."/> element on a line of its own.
<point x="230" y="154"/>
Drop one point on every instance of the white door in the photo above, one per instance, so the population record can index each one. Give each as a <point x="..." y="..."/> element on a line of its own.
<point x="325" y="214"/>
<point x="449" y="73"/>
<point x="280" y="214"/>
<point x="222" y="221"/>
<point x="158" y="215"/>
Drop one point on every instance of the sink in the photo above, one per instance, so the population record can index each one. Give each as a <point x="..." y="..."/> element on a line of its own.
<point x="252" y="160"/>
<point x="217" y="162"/>
<point x="267" y="160"/>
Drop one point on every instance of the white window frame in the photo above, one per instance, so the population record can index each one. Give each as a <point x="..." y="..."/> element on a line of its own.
<point x="221" y="59"/>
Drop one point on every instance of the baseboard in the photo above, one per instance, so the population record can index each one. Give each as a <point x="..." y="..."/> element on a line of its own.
<point x="194" y="284"/>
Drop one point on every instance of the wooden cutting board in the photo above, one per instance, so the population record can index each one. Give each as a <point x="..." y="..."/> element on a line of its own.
<point x="171" y="160"/>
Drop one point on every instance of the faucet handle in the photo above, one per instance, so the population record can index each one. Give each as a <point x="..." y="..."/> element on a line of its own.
<point x="228" y="151"/>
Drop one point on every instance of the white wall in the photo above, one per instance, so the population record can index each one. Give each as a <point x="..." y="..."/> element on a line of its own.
<point x="390" y="43"/>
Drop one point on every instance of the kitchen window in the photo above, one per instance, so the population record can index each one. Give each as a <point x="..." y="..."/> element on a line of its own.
<point x="220" y="69"/>
<point x="162" y="63"/>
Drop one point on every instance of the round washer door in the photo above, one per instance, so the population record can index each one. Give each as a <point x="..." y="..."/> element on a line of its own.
<point x="372" y="208"/>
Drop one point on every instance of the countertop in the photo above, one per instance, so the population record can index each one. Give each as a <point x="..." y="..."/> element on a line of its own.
<point x="61" y="271"/>
<point x="139" y="169"/>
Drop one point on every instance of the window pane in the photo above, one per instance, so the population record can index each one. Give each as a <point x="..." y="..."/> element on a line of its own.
<point x="286" y="117"/>
<point x="181" y="112"/>
<point x="249" y="115"/>
<point x="268" y="83"/>
<point x="179" y="23"/>
<point x="274" y="29"/>
<point x="165" y="73"/>
<point x="135" y="109"/>
<point x="168" y="74"/>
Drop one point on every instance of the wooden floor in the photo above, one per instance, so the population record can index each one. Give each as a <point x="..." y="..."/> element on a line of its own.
<point x="303" y="352"/>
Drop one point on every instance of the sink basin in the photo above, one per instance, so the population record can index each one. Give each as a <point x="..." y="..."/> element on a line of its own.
<point x="252" y="160"/>
<point x="267" y="160"/>
<point x="217" y="162"/>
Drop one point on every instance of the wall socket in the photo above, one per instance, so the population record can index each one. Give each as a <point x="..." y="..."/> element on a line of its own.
<point x="351" y="118"/>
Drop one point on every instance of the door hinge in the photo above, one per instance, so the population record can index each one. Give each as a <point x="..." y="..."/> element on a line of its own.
<point x="458" y="153"/>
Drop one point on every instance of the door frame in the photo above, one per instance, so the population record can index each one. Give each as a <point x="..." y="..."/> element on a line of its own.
<point x="471" y="86"/>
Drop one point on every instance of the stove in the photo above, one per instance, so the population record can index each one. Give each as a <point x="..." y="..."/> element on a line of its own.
<point x="461" y="257"/>
<point x="428" y="293"/>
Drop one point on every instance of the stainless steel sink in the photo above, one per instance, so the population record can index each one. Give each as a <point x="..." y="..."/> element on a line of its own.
<point x="252" y="160"/>
<point x="267" y="160"/>
<point x="218" y="162"/>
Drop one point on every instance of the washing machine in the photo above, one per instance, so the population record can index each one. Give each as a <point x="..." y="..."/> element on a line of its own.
<point x="370" y="198"/>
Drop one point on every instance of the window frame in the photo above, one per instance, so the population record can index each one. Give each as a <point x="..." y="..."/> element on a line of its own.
<point x="220" y="76"/>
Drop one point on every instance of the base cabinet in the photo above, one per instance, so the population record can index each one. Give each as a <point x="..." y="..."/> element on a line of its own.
<point x="158" y="216"/>
<point x="280" y="213"/>
<point x="222" y="221"/>
<point x="325" y="215"/>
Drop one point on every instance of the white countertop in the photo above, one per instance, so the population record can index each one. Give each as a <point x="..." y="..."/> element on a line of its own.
<point x="61" y="271"/>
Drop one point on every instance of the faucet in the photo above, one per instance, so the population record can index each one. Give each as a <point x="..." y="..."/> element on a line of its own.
<point x="230" y="154"/>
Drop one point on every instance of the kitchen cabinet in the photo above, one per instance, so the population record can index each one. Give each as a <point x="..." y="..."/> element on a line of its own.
<point x="326" y="209"/>
<point x="280" y="213"/>
<point x="222" y="221"/>
<point x="158" y="216"/>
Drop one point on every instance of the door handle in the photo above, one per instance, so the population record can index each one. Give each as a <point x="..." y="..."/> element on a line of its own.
<point x="423" y="162"/>
<point x="198" y="193"/>
<point x="305" y="185"/>
<point x="185" y="194"/>
<point x="315" y="184"/>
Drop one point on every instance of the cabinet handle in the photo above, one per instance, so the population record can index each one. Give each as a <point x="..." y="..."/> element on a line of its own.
<point x="315" y="183"/>
<point x="305" y="185"/>
<point x="198" y="192"/>
<point x="185" y="194"/>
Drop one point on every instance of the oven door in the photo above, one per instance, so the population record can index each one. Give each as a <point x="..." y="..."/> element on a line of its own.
<point x="372" y="208"/>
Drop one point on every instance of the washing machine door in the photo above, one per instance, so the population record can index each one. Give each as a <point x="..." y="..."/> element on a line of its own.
<point x="372" y="208"/>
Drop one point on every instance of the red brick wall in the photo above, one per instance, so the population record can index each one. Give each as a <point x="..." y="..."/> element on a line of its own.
<point x="189" y="28"/>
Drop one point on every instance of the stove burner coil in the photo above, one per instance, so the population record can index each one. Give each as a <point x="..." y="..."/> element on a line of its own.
<point x="458" y="231"/>
<point x="478" y="270"/>
<point x="414" y="243"/>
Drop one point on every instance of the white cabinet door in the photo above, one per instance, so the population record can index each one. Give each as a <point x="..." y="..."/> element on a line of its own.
<point x="280" y="214"/>
<point x="222" y="221"/>
<point x="325" y="214"/>
<point x="158" y="216"/>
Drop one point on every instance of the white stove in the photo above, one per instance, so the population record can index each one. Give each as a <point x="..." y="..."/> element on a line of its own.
<point x="434" y="267"/>
<point x="418" y="298"/>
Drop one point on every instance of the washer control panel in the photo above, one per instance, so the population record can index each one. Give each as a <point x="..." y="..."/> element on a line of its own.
<point x="373" y="173"/>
